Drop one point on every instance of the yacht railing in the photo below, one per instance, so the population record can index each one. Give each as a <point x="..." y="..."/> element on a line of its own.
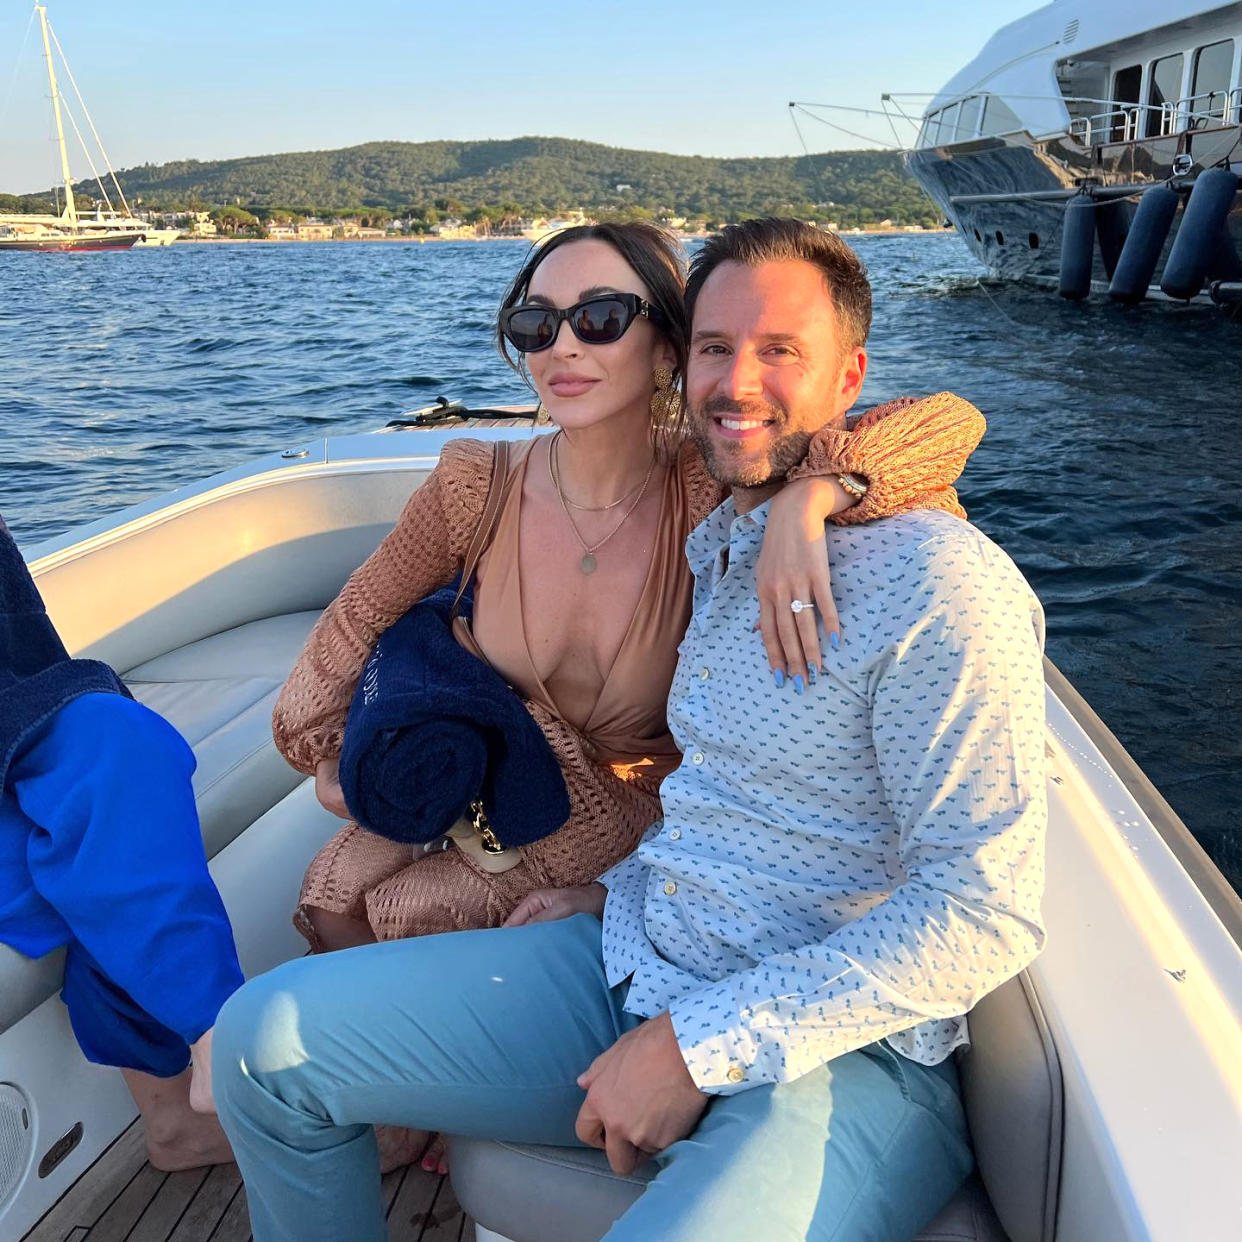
<point x="1121" y="124"/>
<point x="1228" y="112"/>
<point x="1115" y="122"/>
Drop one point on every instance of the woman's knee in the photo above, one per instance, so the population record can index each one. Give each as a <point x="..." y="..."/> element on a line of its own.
<point x="331" y="931"/>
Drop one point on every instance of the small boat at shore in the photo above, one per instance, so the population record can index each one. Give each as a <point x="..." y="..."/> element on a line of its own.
<point x="1103" y="1084"/>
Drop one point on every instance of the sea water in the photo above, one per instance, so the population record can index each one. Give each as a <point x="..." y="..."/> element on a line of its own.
<point x="1111" y="471"/>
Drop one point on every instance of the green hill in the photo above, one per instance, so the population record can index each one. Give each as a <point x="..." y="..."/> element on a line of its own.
<point x="539" y="176"/>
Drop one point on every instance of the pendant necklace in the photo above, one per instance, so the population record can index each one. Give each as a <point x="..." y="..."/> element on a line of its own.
<point x="588" y="564"/>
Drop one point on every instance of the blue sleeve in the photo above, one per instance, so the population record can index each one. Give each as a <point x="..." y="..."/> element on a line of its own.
<point x="116" y="851"/>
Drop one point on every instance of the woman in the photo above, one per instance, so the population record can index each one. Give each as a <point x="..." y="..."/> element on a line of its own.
<point x="582" y="591"/>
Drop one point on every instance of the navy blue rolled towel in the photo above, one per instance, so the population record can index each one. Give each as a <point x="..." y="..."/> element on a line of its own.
<point x="431" y="728"/>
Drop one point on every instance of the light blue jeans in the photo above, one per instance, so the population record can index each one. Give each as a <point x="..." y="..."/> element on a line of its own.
<point x="483" y="1033"/>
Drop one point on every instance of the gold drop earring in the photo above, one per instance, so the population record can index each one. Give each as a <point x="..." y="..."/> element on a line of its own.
<point x="665" y="401"/>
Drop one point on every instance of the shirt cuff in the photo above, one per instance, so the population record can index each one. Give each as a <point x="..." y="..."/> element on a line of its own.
<point x="720" y="1061"/>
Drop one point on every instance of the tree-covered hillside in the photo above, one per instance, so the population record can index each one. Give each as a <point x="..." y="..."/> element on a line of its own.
<point x="541" y="176"/>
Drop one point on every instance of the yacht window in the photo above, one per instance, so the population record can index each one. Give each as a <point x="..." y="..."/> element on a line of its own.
<point x="948" y="123"/>
<point x="998" y="117"/>
<point x="931" y="130"/>
<point x="1163" y="94"/>
<point x="1127" y="83"/>
<point x="969" y="121"/>
<point x="1210" y="89"/>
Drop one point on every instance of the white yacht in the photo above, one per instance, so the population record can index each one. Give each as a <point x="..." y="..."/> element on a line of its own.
<point x="1097" y="146"/>
<point x="1103" y="1085"/>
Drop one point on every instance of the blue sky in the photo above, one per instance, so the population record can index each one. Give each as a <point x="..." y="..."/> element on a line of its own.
<point x="209" y="81"/>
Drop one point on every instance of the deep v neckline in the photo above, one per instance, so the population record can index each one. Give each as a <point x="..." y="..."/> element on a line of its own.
<point x="640" y="603"/>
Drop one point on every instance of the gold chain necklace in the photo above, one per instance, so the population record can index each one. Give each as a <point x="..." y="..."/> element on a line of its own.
<point x="587" y="563"/>
<point x="573" y="504"/>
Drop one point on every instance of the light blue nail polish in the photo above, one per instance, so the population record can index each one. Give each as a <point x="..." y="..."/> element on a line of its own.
<point x="813" y="674"/>
<point x="798" y="683"/>
<point x="835" y="641"/>
<point x="778" y="676"/>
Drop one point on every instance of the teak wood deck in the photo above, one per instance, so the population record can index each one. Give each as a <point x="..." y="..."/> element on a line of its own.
<point x="122" y="1198"/>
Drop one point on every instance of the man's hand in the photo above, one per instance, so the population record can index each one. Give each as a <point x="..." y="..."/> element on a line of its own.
<point x="640" y="1096"/>
<point x="328" y="787"/>
<point x="546" y="905"/>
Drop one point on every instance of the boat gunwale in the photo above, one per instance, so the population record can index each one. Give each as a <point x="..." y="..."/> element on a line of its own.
<point x="1194" y="860"/>
<point x="318" y="461"/>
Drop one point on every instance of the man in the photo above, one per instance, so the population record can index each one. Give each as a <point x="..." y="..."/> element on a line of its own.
<point x="100" y="851"/>
<point x="785" y="963"/>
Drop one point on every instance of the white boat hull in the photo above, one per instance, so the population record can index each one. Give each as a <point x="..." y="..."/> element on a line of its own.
<point x="158" y="237"/>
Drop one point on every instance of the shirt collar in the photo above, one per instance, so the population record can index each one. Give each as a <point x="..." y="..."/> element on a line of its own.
<point x="717" y="530"/>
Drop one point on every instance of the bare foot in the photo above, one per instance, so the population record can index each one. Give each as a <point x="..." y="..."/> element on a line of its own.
<point x="198" y="1142"/>
<point x="177" y="1136"/>
<point x="201" y="1099"/>
<point x="399" y="1146"/>
<point x="435" y="1158"/>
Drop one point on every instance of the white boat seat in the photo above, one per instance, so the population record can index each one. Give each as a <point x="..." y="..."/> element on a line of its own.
<point x="1011" y="1084"/>
<point x="218" y="692"/>
<point x="26" y="982"/>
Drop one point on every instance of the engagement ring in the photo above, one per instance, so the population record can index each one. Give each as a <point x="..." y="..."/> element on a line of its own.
<point x="799" y="604"/>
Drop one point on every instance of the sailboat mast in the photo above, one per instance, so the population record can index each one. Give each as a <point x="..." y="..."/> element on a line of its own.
<point x="71" y="209"/>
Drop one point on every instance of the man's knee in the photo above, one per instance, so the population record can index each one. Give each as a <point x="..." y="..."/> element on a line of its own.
<point x="256" y="1041"/>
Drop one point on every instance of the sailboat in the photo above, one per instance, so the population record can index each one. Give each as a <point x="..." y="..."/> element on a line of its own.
<point x="105" y="229"/>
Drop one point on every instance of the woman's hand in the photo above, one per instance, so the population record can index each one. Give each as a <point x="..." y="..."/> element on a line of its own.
<point x="546" y="905"/>
<point x="794" y="566"/>
<point x="328" y="787"/>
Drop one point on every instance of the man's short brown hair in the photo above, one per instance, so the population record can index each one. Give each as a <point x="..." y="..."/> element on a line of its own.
<point x="775" y="239"/>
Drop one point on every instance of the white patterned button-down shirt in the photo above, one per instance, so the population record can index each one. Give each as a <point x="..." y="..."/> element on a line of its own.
<point x="858" y="862"/>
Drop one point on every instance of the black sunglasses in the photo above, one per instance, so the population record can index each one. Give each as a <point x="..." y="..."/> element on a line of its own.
<point x="600" y="320"/>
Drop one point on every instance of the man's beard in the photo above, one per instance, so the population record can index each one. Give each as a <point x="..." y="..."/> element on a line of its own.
<point x="738" y="468"/>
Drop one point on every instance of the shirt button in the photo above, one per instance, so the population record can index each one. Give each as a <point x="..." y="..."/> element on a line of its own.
<point x="697" y="758"/>
<point x="669" y="888"/>
<point x="735" y="1074"/>
<point x="704" y="674"/>
<point x="674" y="834"/>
